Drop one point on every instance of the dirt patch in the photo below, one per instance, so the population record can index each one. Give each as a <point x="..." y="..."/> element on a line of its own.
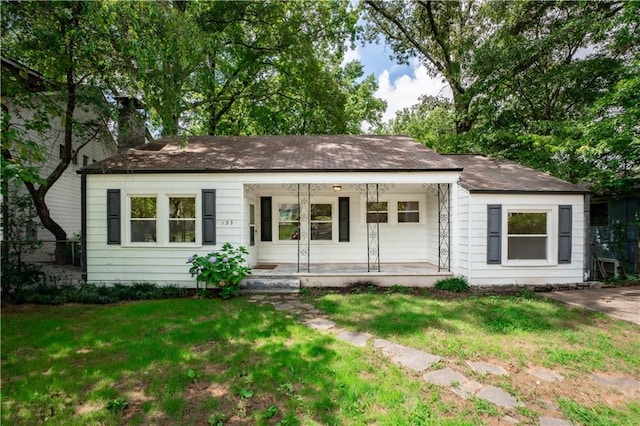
<point x="88" y="408"/>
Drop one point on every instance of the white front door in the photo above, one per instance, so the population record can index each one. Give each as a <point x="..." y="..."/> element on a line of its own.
<point x="252" y="259"/>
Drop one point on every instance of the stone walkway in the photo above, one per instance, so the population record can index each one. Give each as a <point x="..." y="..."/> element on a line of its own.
<point x="417" y="360"/>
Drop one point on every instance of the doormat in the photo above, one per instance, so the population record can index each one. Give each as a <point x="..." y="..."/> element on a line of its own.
<point x="265" y="266"/>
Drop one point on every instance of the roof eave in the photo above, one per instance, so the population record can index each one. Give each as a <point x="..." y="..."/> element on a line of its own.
<point x="238" y="171"/>
<point x="520" y="191"/>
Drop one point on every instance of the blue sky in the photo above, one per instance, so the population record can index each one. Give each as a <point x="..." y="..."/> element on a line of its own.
<point x="399" y="85"/>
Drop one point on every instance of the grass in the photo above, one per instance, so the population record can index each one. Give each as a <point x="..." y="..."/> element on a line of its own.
<point x="208" y="361"/>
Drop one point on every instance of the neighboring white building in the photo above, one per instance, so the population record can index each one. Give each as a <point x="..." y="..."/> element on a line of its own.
<point x="63" y="199"/>
<point x="329" y="210"/>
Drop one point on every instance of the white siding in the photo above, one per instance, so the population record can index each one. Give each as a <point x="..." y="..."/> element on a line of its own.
<point x="551" y="273"/>
<point x="155" y="262"/>
<point x="63" y="199"/>
<point x="161" y="262"/>
<point x="460" y="245"/>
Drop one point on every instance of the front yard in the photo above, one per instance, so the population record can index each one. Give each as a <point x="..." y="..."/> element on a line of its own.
<point x="195" y="361"/>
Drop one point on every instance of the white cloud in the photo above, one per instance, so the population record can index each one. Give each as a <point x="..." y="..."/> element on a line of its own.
<point x="405" y="90"/>
<point x="350" y="55"/>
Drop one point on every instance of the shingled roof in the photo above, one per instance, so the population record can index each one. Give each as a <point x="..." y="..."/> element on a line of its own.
<point x="482" y="174"/>
<point x="290" y="153"/>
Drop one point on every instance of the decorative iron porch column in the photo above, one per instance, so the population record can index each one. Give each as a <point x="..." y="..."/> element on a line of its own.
<point x="444" y="227"/>
<point x="373" y="228"/>
<point x="304" y="225"/>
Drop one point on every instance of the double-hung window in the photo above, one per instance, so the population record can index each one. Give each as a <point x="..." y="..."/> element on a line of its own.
<point x="288" y="221"/>
<point x="408" y="212"/>
<point x="321" y="222"/>
<point x="320" y="217"/>
<point x="144" y="215"/>
<point x="377" y="212"/>
<point x="527" y="236"/>
<point x="182" y="219"/>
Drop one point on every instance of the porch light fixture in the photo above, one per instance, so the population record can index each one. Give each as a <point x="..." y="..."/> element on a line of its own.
<point x="337" y="188"/>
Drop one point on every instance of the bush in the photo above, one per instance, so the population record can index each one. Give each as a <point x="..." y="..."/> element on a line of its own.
<point x="56" y="294"/>
<point x="224" y="269"/>
<point x="15" y="277"/>
<point x="454" y="284"/>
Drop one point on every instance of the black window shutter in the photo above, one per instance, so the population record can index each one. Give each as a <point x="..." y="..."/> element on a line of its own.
<point x="343" y="219"/>
<point x="494" y="237"/>
<point x="564" y="234"/>
<point x="113" y="216"/>
<point x="208" y="216"/>
<point x="265" y="219"/>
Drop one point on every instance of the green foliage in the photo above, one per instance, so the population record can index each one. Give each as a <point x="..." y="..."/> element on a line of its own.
<point x="117" y="405"/>
<point x="455" y="284"/>
<point x="552" y="85"/>
<point x="44" y="290"/>
<point x="431" y="122"/>
<point x="244" y="68"/>
<point x="224" y="269"/>
<point x="600" y="415"/>
<point x="217" y="419"/>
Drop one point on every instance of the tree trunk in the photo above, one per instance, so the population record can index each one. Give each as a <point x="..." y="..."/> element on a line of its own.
<point x="461" y="106"/>
<point x="51" y="225"/>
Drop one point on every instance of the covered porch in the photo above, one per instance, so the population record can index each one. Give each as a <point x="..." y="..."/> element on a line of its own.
<point x="335" y="234"/>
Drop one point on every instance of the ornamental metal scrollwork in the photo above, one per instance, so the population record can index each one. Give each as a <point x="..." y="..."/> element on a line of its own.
<point x="444" y="227"/>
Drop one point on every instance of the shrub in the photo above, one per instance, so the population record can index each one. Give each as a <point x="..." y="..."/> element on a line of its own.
<point x="454" y="284"/>
<point x="55" y="294"/>
<point x="224" y="269"/>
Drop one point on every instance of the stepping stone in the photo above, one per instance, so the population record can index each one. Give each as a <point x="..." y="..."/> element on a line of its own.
<point x="485" y="367"/>
<point x="320" y="324"/>
<point x="357" y="339"/>
<point x="552" y="421"/>
<point x="445" y="377"/>
<point x="620" y="382"/>
<point x="498" y="397"/>
<point x="283" y="306"/>
<point x="410" y="358"/>
<point x="546" y="375"/>
<point x="381" y="343"/>
<point x="467" y="390"/>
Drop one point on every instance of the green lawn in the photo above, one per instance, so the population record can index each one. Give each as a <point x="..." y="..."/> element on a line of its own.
<point x="193" y="361"/>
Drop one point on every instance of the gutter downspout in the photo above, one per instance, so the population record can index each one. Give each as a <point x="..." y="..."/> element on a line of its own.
<point x="588" y="273"/>
<point x="83" y="225"/>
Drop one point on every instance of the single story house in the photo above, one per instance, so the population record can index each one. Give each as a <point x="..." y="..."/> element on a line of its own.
<point x="329" y="210"/>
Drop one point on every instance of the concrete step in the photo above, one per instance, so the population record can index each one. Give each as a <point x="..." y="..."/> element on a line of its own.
<point x="270" y="285"/>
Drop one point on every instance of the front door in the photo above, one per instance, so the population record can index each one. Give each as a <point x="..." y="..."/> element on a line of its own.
<point x="252" y="259"/>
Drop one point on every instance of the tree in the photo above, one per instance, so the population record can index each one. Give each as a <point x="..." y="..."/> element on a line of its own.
<point x="538" y="76"/>
<point x="439" y="33"/>
<point x="430" y="122"/>
<point x="242" y="67"/>
<point x="62" y="41"/>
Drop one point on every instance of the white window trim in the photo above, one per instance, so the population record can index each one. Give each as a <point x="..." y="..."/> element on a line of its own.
<point x="552" y="235"/>
<point x="162" y="220"/>
<point x="398" y="211"/>
<point x="392" y="201"/>
<point x="275" y="213"/>
<point x="197" y="218"/>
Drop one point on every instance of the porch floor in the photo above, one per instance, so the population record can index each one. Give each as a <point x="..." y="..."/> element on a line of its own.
<point x="347" y="268"/>
<point x="416" y="274"/>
